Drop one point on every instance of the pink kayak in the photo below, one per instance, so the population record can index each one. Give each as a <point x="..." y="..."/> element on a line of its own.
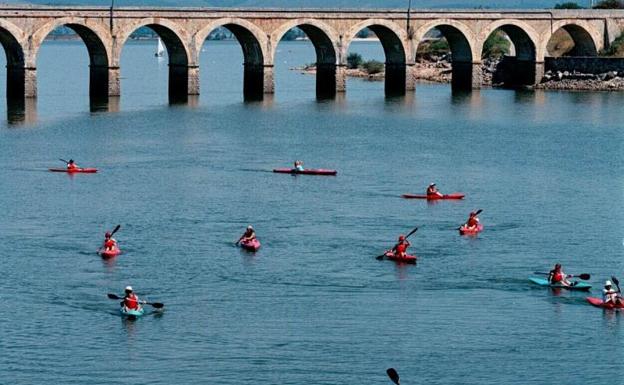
<point x="466" y="231"/>
<point x="107" y="254"/>
<point x="252" y="245"/>
<point x="75" y="171"/>
<point x="406" y="259"/>
<point x="600" y="303"/>
<point x="311" y="171"/>
<point x="434" y="197"/>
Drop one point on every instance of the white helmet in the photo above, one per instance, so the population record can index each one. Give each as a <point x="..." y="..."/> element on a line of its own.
<point x="128" y="288"/>
<point x="250" y="227"/>
<point x="608" y="283"/>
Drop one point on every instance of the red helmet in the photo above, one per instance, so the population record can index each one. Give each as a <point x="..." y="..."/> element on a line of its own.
<point x="108" y="234"/>
<point x="401" y="237"/>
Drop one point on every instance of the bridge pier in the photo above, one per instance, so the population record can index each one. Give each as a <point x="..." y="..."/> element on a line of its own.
<point x="257" y="81"/>
<point x="410" y="77"/>
<point x="326" y="80"/>
<point x="466" y="75"/>
<point x="341" y="78"/>
<point x="514" y="72"/>
<point x="396" y="79"/>
<point x="183" y="81"/>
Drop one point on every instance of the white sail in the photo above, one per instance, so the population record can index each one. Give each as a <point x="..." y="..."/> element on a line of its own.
<point x="160" y="51"/>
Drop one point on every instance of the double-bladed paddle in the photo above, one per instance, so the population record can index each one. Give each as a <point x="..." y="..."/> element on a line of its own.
<point x="584" y="276"/>
<point x="156" y="305"/>
<point x="617" y="283"/>
<point x="394" y="376"/>
<point x="380" y="257"/>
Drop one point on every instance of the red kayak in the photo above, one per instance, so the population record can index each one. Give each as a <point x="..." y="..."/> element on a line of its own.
<point x="107" y="254"/>
<point x="75" y="171"/>
<point x="411" y="259"/>
<point x="434" y="197"/>
<point x="252" y="245"/>
<point x="466" y="231"/>
<point x="600" y="303"/>
<point x="312" y="171"/>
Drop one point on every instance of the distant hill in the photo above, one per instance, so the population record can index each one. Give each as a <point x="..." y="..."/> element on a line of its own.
<point x="312" y="3"/>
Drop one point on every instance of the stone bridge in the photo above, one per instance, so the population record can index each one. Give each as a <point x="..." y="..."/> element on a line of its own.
<point x="183" y="31"/>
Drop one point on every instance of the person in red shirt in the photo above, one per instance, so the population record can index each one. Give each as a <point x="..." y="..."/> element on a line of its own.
<point x="109" y="242"/>
<point x="473" y="221"/>
<point x="557" y="276"/>
<point x="400" y="249"/>
<point x="131" y="300"/>
<point x="71" y="165"/>
<point x="433" y="190"/>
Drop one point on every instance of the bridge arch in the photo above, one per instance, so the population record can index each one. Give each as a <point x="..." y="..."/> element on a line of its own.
<point x="12" y="39"/>
<point x="96" y="38"/>
<point x="325" y="41"/>
<point x="394" y="40"/>
<point x="463" y="45"/>
<point x="253" y="42"/>
<point x="587" y="40"/>
<point x="183" y="70"/>
<point x="522" y="67"/>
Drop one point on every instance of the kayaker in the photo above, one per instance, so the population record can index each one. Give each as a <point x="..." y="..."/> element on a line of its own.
<point x="109" y="242"/>
<point x="299" y="165"/>
<point x="610" y="295"/>
<point x="250" y="234"/>
<point x="557" y="276"/>
<point x="71" y="165"/>
<point x="432" y="190"/>
<point x="473" y="221"/>
<point x="131" y="300"/>
<point x="400" y="249"/>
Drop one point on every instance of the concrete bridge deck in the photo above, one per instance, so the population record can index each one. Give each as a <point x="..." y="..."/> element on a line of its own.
<point x="331" y="31"/>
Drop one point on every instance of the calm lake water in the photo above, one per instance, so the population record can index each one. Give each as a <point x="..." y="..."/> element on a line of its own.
<point x="313" y="306"/>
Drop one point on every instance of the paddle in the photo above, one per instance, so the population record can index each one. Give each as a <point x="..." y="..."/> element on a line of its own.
<point x="617" y="283"/>
<point x="394" y="376"/>
<point x="156" y="305"/>
<point x="584" y="276"/>
<point x="63" y="160"/>
<point x="380" y="257"/>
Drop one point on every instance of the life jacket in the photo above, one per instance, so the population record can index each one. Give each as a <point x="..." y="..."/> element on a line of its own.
<point x="110" y="243"/>
<point x="401" y="248"/>
<point x="432" y="191"/>
<point x="71" y="166"/>
<point x="557" y="276"/>
<point x="131" y="301"/>
<point x="472" y="221"/>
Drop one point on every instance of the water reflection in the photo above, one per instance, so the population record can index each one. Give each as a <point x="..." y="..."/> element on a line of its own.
<point x="21" y="110"/>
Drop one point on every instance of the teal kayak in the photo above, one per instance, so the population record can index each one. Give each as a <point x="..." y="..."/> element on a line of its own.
<point x="131" y="314"/>
<point x="575" y="286"/>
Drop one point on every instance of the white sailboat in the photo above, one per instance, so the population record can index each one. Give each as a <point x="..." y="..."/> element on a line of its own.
<point x="160" y="51"/>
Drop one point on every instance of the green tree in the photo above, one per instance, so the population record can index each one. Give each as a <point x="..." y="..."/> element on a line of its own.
<point x="496" y="45"/>
<point x="373" y="67"/>
<point x="568" y="5"/>
<point x="610" y="4"/>
<point x="354" y="60"/>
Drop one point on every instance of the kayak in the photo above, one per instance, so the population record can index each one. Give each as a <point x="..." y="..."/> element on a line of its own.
<point x="434" y="197"/>
<point x="75" y="171"/>
<point x="600" y="303"/>
<point x="311" y="171"/>
<point x="131" y="314"/>
<point x="252" y="245"/>
<point x="466" y="231"/>
<point x="544" y="282"/>
<point x="106" y="254"/>
<point x="406" y="259"/>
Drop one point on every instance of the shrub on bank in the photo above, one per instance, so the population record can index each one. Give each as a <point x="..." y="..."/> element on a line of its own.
<point x="373" y="67"/>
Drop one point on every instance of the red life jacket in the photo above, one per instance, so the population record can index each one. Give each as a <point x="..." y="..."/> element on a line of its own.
<point x="109" y="244"/>
<point x="472" y="221"/>
<point x="557" y="276"/>
<point x="401" y="248"/>
<point x="71" y="166"/>
<point x="131" y="301"/>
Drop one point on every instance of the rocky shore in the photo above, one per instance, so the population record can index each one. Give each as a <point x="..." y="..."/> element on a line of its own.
<point x="439" y="70"/>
